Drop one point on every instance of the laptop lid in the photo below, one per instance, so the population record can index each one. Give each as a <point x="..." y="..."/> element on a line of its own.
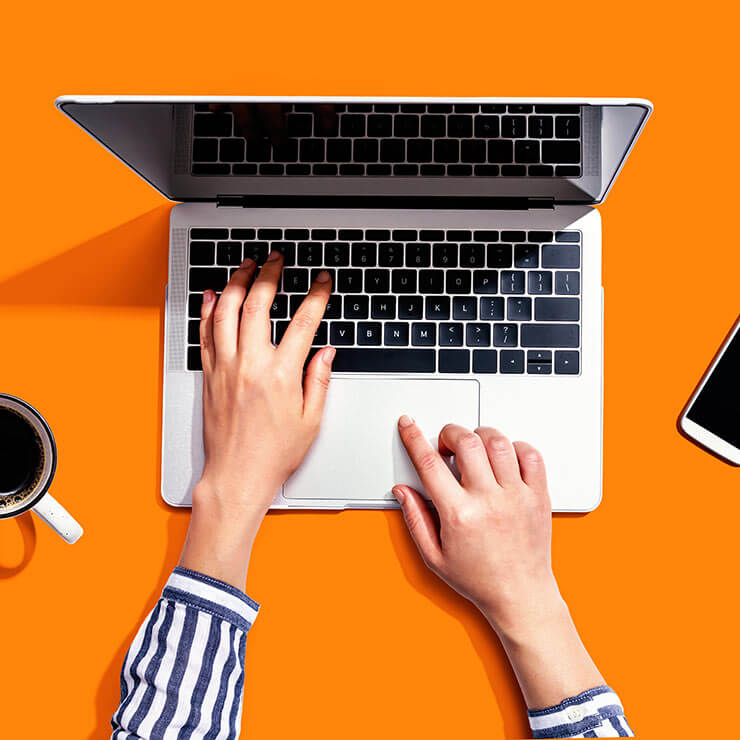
<point x="257" y="149"/>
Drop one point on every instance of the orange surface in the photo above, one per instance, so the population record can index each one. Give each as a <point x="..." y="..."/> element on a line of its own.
<point x="355" y="638"/>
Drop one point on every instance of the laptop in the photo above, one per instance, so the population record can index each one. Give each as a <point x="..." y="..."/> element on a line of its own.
<point x="465" y="252"/>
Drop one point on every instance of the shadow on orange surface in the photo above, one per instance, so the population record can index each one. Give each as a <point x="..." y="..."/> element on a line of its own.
<point x="28" y="532"/>
<point x="126" y="266"/>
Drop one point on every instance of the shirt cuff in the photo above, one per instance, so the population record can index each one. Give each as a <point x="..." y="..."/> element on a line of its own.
<point x="597" y="707"/>
<point x="211" y="595"/>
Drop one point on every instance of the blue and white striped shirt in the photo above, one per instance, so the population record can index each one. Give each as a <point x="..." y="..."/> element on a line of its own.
<point x="183" y="676"/>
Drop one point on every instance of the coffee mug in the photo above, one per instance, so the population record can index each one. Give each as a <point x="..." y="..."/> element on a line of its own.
<point x="28" y="461"/>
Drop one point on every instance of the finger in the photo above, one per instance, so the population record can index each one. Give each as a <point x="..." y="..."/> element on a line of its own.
<point x="435" y="476"/>
<point x="207" y="347"/>
<point x="532" y="467"/>
<point x="470" y="455"/>
<point x="421" y="524"/>
<point x="255" y="327"/>
<point x="299" y="335"/>
<point x="502" y="456"/>
<point x="316" y="384"/>
<point x="226" y="313"/>
<point x="272" y="121"/>
<point x="245" y="120"/>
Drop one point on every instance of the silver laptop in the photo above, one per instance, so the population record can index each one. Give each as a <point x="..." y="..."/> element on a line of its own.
<point x="465" y="253"/>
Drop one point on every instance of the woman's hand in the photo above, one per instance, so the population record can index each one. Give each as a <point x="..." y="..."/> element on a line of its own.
<point x="492" y="545"/>
<point x="260" y="416"/>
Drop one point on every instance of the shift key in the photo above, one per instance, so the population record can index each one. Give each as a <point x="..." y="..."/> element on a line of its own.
<point x="550" y="335"/>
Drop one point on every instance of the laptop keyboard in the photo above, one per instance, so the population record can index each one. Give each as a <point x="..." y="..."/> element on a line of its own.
<point x="396" y="139"/>
<point x="414" y="300"/>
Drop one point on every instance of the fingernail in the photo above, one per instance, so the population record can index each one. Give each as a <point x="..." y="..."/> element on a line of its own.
<point x="207" y="296"/>
<point x="248" y="262"/>
<point x="405" y="421"/>
<point x="323" y="277"/>
<point x="328" y="355"/>
<point x="400" y="495"/>
<point x="273" y="256"/>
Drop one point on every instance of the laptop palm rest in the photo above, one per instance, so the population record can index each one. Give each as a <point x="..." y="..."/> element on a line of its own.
<point x="358" y="454"/>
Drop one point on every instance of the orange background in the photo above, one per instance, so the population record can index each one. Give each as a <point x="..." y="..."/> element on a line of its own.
<point x="355" y="638"/>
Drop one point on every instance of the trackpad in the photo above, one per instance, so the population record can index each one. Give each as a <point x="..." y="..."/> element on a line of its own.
<point x="358" y="454"/>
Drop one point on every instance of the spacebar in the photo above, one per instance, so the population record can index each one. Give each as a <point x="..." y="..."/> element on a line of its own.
<point x="349" y="359"/>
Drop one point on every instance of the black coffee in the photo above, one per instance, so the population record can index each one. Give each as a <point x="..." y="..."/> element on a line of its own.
<point x="21" y="458"/>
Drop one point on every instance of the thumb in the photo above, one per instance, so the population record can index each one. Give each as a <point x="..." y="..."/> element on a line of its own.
<point x="420" y="524"/>
<point x="316" y="383"/>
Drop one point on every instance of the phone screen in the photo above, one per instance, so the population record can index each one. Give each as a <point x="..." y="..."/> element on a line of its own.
<point x="717" y="407"/>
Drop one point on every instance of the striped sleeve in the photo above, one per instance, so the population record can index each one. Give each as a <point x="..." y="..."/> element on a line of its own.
<point x="593" y="713"/>
<point x="183" y="676"/>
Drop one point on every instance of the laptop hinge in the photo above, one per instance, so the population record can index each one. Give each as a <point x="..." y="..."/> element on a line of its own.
<point x="451" y="202"/>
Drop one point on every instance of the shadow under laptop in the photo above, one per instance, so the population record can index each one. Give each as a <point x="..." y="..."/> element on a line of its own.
<point x="126" y="266"/>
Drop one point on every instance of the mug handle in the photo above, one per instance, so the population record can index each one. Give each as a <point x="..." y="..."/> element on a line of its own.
<point x="58" y="518"/>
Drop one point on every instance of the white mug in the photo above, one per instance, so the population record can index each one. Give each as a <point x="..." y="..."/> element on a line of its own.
<point x="27" y="434"/>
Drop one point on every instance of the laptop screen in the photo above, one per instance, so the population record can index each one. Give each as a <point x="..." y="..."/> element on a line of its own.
<point x="567" y="151"/>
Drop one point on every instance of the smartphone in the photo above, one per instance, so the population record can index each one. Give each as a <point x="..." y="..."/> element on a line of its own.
<point x="712" y="415"/>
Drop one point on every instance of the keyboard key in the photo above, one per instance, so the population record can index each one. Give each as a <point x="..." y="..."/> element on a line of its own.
<point x="485" y="360"/>
<point x="378" y="169"/>
<point x="423" y="335"/>
<point x="205" y="150"/>
<point x="194" y="331"/>
<point x="500" y="150"/>
<point x="485" y="281"/>
<point x="540" y="170"/>
<point x="567" y="152"/>
<point x="512" y="281"/>
<point x="458" y="281"/>
<point x="349" y="281"/>
<point x="540" y="236"/>
<point x="464" y="308"/>
<point x="209" y="233"/>
<point x="309" y="254"/>
<point x="294" y="169"/>
<point x="279" y="308"/>
<point x="352" y="125"/>
<point x="526" y="255"/>
<point x="352" y="169"/>
<point x="332" y="274"/>
<point x="202" y="253"/>
<point x="444" y="255"/>
<point x="351" y="234"/>
<point x="433" y="127"/>
<point x="194" y="360"/>
<point x="513" y="127"/>
<point x="539" y="281"/>
<point x="550" y="335"/>
<point x="446" y="150"/>
<point x="505" y="335"/>
<point x="364" y="254"/>
<point x="561" y="255"/>
<point x="287" y="249"/>
<point x="333" y="307"/>
<point x="562" y="170"/>
<point x="433" y="170"/>
<point x="205" y="278"/>
<point x="450" y="335"/>
<point x="269" y="233"/>
<point x="195" y="300"/>
<point x="369" y="332"/>
<point x="454" y="360"/>
<point x="232" y="150"/>
<point x="556" y="309"/>
<point x="202" y="168"/>
<point x="404" y="281"/>
<point x="280" y="328"/>
<point x="519" y="309"/>
<point x="379" y="125"/>
<point x="246" y="234"/>
<point x="460" y="127"/>
<point x="431" y="281"/>
<point x="356" y="306"/>
<point x="527" y="151"/>
<point x="513" y="170"/>
<point x="365" y="150"/>
<point x="258" y="252"/>
<point x="478" y="335"/>
<point x="539" y="368"/>
<point x="320" y="336"/>
<point x="491" y="309"/>
<point x="299" y="124"/>
<point x="419" y="150"/>
<point x="295" y="280"/>
<point x="540" y="127"/>
<point x="567" y="236"/>
<point x="212" y="124"/>
<point x="390" y="254"/>
<point x="406" y="169"/>
<point x="377" y="281"/>
<point x="567" y="363"/>
<point x="384" y="360"/>
<point x="486" y="127"/>
<point x="512" y="361"/>
<point x="418" y="254"/>
<point x="396" y="334"/>
<point x="487" y="170"/>
<point x="338" y="150"/>
<point x="294" y="234"/>
<point x="520" y="108"/>
<point x="427" y="235"/>
<point x="410" y="307"/>
<point x="312" y="150"/>
<point x="336" y="254"/>
<point x="323" y="234"/>
<point x="498" y="255"/>
<point x="392" y="150"/>
<point x="567" y="283"/>
<point x="438" y="308"/>
<point x="405" y="235"/>
<point x="567" y="127"/>
<point x="406" y="126"/>
<point x="472" y="255"/>
<point x="459" y="235"/>
<point x="555" y="108"/>
<point x="513" y="236"/>
<point x="342" y="333"/>
<point x="539" y="355"/>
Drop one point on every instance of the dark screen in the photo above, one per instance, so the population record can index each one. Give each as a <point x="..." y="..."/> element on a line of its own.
<point x="717" y="407"/>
